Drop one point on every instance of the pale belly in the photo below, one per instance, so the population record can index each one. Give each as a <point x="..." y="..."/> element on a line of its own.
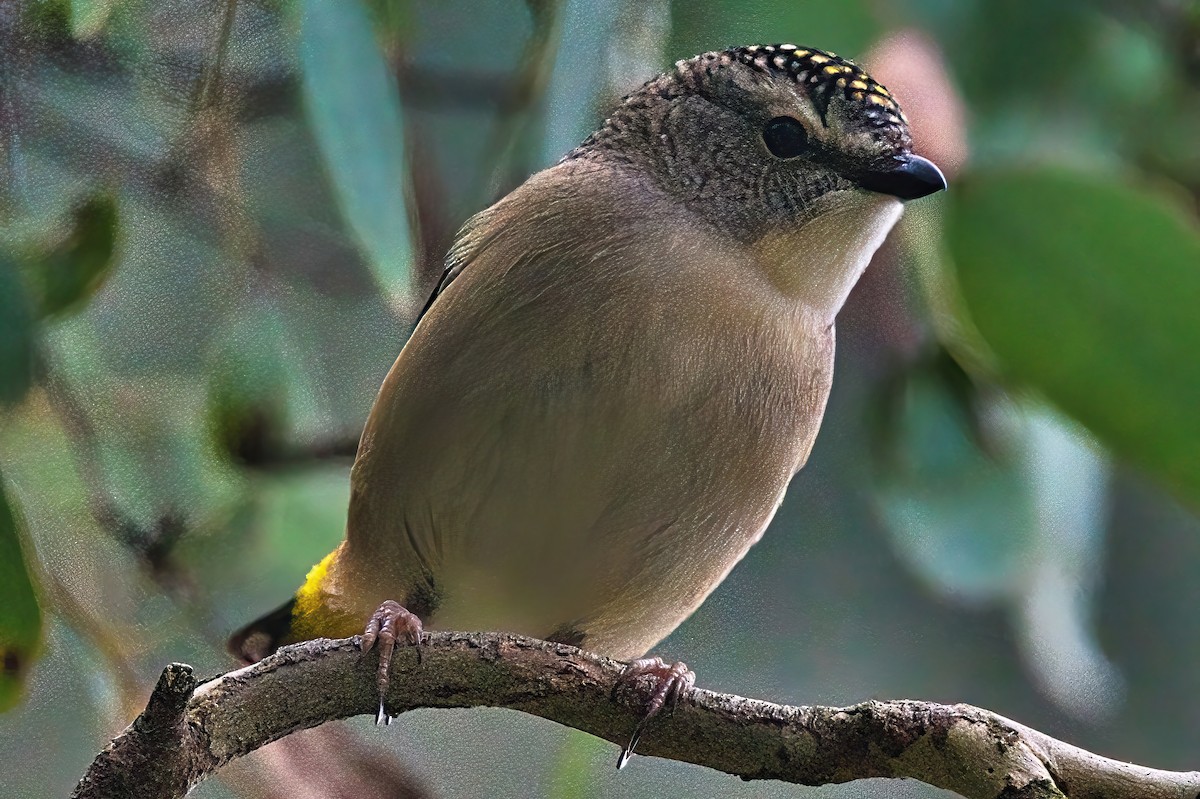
<point x="616" y="537"/>
<point x="599" y="499"/>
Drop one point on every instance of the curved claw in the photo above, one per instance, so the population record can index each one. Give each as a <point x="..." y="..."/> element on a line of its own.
<point x="382" y="716"/>
<point x="389" y="622"/>
<point x="671" y="682"/>
<point x="627" y="750"/>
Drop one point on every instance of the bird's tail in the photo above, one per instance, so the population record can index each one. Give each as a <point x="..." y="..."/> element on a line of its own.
<point x="264" y="635"/>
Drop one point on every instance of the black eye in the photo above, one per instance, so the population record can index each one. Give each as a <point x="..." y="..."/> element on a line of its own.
<point x="785" y="137"/>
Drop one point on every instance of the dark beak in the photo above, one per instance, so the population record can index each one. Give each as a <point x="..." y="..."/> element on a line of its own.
<point x="908" y="178"/>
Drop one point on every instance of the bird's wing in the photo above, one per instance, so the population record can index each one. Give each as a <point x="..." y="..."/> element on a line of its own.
<point x="456" y="260"/>
<point x="428" y="410"/>
<point x="448" y="274"/>
<point x="466" y="246"/>
<point x="596" y="411"/>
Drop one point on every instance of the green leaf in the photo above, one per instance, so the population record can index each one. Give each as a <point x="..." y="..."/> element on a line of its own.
<point x="1087" y="290"/>
<point x="573" y="769"/>
<point x="353" y="108"/>
<point x="20" y="615"/>
<point x="47" y="19"/>
<point x="16" y="334"/>
<point x="88" y="16"/>
<point x="961" y="518"/>
<point x="66" y="277"/>
<point x="248" y="388"/>
<point x="846" y="27"/>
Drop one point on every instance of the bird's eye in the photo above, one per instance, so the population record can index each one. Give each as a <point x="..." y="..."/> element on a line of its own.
<point x="785" y="137"/>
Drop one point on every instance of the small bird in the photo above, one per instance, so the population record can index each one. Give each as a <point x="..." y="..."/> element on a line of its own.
<point x="626" y="360"/>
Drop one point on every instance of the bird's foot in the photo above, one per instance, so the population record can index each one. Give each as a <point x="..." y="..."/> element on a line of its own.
<point x="670" y="682"/>
<point x="389" y="623"/>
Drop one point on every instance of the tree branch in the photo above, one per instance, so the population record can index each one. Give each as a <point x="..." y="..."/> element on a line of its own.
<point x="188" y="731"/>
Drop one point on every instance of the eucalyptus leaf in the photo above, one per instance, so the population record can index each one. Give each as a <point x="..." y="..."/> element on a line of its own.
<point x="67" y="276"/>
<point x="1068" y="478"/>
<point x="16" y="334"/>
<point x="353" y="107"/>
<point x="961" y="518"/>
<point x="1087" y="290"/>
<point x="20" y="615"/>
<point x="1002" y="501"/>
<point x="574" y="86"/>
<point x="572" y="771"/>
<point x="88" y="16"/>
<point x="248" y="387"/>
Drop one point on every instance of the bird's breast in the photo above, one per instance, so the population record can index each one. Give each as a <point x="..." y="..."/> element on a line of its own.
<point x="588" y="448"/>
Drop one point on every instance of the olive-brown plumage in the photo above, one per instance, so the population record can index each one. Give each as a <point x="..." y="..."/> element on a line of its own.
<point x="627" y="360"/>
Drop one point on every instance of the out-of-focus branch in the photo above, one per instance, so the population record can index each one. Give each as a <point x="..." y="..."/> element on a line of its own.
<point x="188" y="731"/>
<point x="152" y="545"/>
<point x="329" y="762"/>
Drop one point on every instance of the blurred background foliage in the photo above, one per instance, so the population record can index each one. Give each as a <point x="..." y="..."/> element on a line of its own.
<point x="218" y="218"/>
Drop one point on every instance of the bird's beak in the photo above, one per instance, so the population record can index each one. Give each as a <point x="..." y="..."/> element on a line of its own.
<point x="908" y="178"/>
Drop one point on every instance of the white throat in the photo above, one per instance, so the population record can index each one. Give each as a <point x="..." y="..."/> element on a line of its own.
<point x="818" y="262"/>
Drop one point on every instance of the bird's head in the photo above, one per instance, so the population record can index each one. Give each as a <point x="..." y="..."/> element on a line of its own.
<point x="795" y="152"/>
<point x="754" y="137"/>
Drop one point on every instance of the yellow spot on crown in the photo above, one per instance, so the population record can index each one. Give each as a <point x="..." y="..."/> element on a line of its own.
<point x="883" y="90"/>
<point x="834" y="69"/>
<point x="803" y="53"/>
<point x="861" y="85"/>
<point x="875" y="99"/>
<point x="818" y="59"/>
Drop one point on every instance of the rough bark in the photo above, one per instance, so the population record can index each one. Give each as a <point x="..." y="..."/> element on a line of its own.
<point x="188" y="731"/>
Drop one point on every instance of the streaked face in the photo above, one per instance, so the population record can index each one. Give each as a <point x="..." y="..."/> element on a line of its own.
<point x="816" y="111"/>
<point x="751" y="138"/>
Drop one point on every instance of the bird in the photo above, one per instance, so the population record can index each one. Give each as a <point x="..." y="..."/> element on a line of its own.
<point x="626" y="360"/>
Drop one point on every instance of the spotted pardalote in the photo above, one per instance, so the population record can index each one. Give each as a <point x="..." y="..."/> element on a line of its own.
<point x="624" y="364"/>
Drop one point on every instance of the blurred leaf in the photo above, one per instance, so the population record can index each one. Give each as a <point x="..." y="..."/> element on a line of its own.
<point x="392" y="20"/>
<point x="962" y="519"/>
<point x="49" y="18"/>
<point x="20" y="616"/>
<point x="353" y="106"/>
<point x="1086" y="290"/>
<point x="248" y="388"/>
<point x="88" y="16"/>
<point x="1011" y="47"/>
<point x="66" y="277"/>
<point x="846" y="27"/>
<point x="16" y="334"/>
<point x="572" y="771"/>
<point x="1004" y="502"/>
<point x="575" y="84"/>
<point x="1068" y="479"/>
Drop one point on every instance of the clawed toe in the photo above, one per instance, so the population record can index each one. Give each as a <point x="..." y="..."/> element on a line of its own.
<point x="670" y="683"/>
<point x="390" y="622"/>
